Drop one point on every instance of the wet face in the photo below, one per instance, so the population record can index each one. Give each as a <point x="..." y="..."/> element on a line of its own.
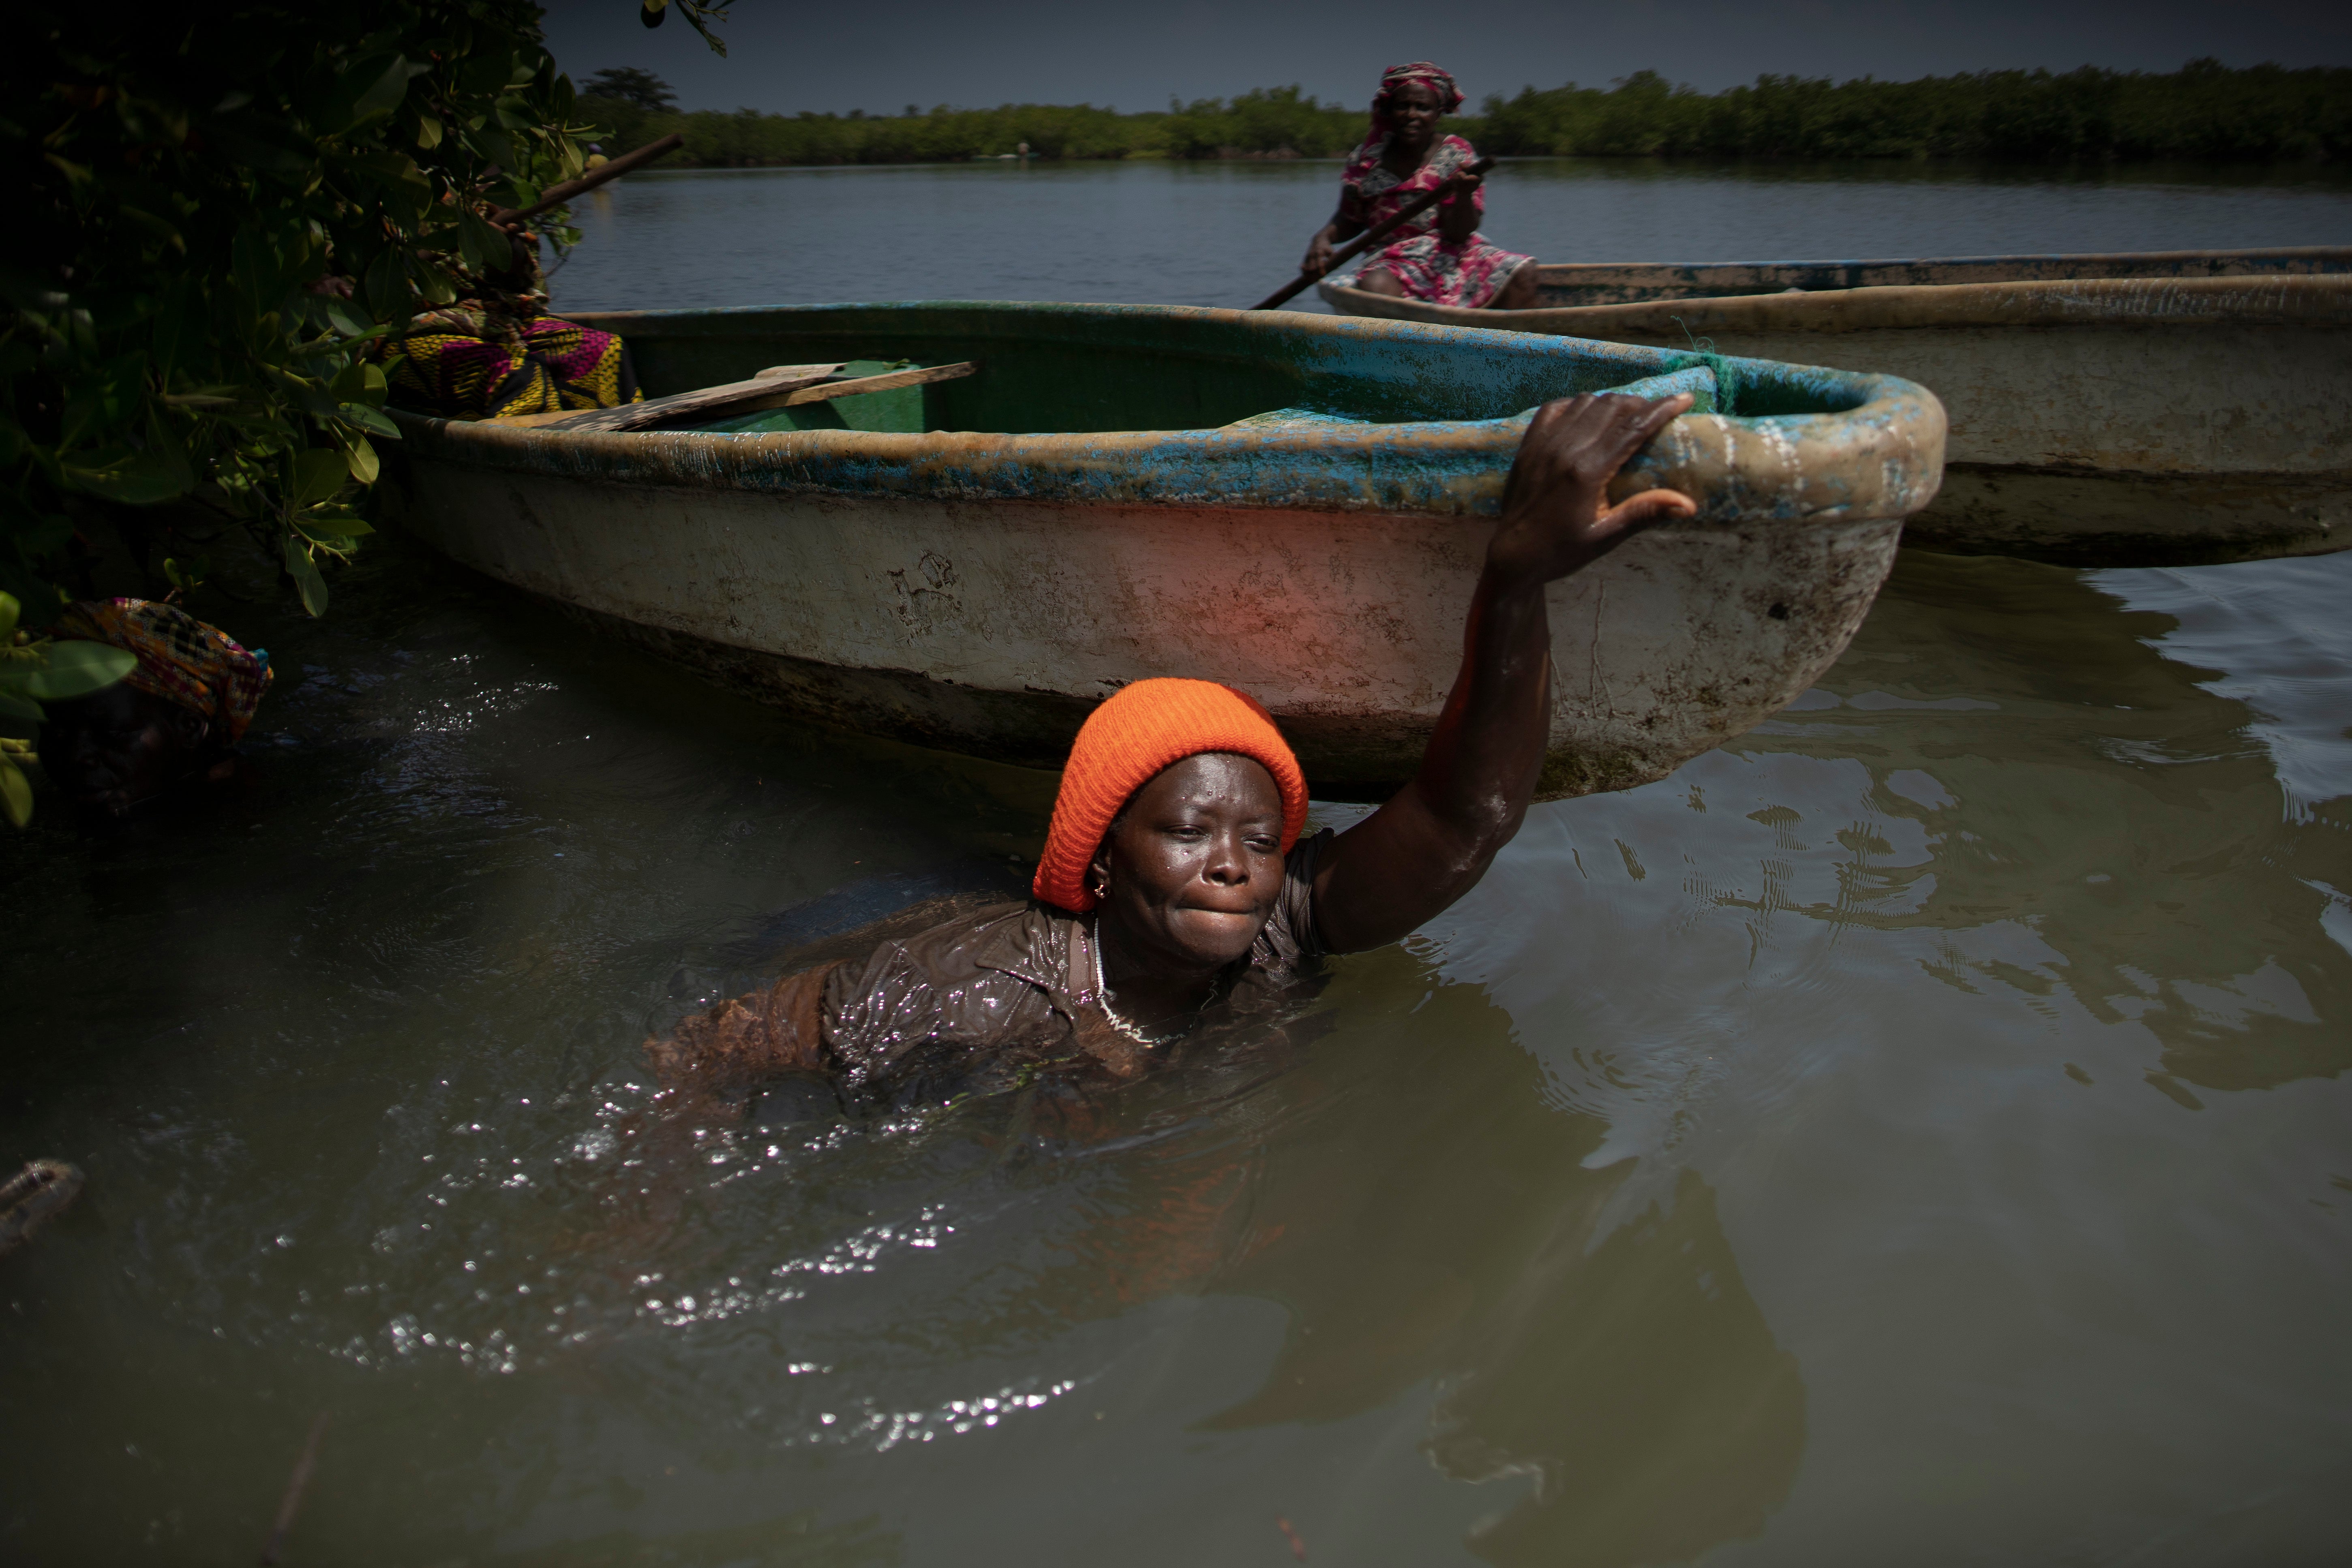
<point x="1414" y="110"/>
<point x="115" y="748"/>
<point x="1191" y="871"/>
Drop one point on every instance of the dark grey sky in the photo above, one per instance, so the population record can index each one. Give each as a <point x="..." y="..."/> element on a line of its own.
<point x="791" y="55"/>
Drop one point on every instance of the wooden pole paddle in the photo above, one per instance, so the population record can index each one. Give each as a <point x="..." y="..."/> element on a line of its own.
<point x="1379" y="231"/>
<point x="612" y="169"/>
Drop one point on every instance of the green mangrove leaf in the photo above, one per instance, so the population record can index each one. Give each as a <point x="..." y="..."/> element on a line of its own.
<point x="384" y="89"/>
<point x="339" y="525"/>
<point x="162" y="229"/>
<point x="70" y="669"/>
<point x="385" y="286"/>
<point x="16" y="791"/>
<point x="15" y="707"/>
<point x="138" y="479"/>
<point x="486" y="246"/>
<point x="487" y="73"/>
<point x="358" y="457"/>
<point x="339" y="315"/>
<point x="305" y="573"/>
<point x="370" y="420"/>
<point x="255" y="278"/>
<point x="318" y="475"/>
<point x="163" y="435"/>
<point x="9" y="612"/>
<point x="494" y="144"/>
<point x="259" y="149"/>
<point x="352" y="382"/>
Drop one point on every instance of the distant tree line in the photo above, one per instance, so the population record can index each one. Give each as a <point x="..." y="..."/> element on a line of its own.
<point x="2205" y="111"/>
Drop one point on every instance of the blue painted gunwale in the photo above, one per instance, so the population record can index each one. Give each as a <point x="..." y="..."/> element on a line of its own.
<point x="1418" y="417"/>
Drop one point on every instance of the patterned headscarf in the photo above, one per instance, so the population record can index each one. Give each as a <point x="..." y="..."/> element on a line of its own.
<point x="181" y="658"/>
<point x="1449" y="97"/>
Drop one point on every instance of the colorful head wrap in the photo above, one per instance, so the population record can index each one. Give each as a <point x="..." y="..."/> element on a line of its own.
<point x="1449" y="97"/>
<point x="181" y="658"/>
<point x="1124" y="744"/>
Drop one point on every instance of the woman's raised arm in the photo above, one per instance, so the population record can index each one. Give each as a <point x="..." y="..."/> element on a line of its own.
<point x="1432" y="841"/>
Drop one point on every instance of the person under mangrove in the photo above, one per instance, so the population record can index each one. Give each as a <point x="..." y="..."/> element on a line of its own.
<point x="1177" y="886"/>
<point x="495" y="350"/>
<point x="174" y="720"/>
<point x="1438" y="256"/>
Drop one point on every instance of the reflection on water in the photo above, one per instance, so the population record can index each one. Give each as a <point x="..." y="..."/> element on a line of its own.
<point x="1443" y="1230"/>
<point x="1227" y="234"/>
<point x="1919" y="1122"/>
<point x="2172" y="891"/>
<point x="1914" y="1131"/>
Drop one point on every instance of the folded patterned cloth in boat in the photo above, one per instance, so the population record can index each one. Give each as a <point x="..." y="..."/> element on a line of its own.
<point x="467" y="362"/>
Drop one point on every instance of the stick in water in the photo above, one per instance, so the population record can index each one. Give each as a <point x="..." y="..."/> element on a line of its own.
<point x="1356" y="246"/>
<point x="293" y="1499"/>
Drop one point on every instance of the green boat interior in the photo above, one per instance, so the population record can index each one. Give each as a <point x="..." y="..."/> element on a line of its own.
<point x="1066" y="369"/>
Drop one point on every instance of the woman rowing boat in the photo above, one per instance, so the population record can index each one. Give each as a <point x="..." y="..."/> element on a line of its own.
<point x="1438" y="256"/>
<point x="1175" y="884"/>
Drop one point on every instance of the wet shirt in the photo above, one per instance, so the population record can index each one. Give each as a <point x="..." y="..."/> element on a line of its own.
<point x="957" y="1006"/>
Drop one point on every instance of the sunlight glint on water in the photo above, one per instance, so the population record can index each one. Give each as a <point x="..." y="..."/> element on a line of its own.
<point x="1916" y="1129"/>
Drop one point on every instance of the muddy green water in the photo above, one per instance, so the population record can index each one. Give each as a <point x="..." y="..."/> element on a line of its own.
<point x="1917" y="1133"/>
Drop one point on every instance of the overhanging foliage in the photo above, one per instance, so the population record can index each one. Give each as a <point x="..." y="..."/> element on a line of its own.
<point x="216" y="211"/>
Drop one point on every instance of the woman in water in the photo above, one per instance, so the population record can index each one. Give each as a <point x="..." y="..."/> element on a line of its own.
<point x="175" y="718"/>
<point x="1438" y="256"/>
<point x="1175" y="885"/>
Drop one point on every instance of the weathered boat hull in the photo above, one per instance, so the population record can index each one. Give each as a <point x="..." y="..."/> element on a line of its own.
<point x="981" y="592"/>
<point x="2196" y="408"/>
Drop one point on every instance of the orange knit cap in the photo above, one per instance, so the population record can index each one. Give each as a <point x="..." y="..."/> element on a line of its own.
<point x="1124" y="744"/>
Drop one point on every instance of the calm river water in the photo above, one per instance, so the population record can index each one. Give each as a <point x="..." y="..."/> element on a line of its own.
<point x="1918" y="1131"/>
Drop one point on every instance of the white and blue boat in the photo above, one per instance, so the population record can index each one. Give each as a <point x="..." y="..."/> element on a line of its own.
<point x="1294" y="504"/>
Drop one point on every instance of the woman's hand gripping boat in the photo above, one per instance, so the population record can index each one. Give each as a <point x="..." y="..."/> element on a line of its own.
<point x="1088" y="495"/>
<point x="2147" y="409"/>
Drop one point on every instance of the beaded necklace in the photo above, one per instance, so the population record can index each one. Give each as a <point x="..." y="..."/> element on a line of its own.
<point x="1102" y="1000"/>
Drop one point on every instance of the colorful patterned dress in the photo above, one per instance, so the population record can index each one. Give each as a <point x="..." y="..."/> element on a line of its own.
<point x="1470" y="274"/>
<point x="496" y="351"/>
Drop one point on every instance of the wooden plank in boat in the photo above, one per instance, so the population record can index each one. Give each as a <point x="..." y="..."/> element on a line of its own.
<point x="779" y="386"/>
<point x="760" y="384"/>
<point x="765" y="390"/>
<point x="697" y="403"/>
<point x="889" y="381"/>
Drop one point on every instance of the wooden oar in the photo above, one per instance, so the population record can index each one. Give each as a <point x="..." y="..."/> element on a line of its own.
<point x="779" y="386"/>
<point x="556" y="195"/>
<point x="888" y="381"/>
<point x="1379" y="231"/>
<point x="772" y="383"/>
